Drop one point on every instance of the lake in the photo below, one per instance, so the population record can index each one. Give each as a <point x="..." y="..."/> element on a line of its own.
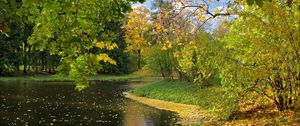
<point x="36" y="103"/>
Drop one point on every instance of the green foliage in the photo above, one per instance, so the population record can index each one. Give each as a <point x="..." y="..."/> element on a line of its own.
<point x="257" y="2"/>
<point x="161" y="61"/>
<point x="132" y="62"/>
<point x="8" y="15"/>
<point x="70" y="28"/>
<point x="250" y="2"/>
<point x="15" y="52"/>
<point x="83" y="66"/>
<point x="63" y="29"/>
<point x="198" y="59"/>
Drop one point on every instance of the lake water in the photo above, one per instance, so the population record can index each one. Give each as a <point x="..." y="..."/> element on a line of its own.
<point x="57" y="103"/>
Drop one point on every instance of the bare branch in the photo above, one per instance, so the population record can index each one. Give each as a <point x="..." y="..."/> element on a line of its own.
<point x="203" y="23"/>
<point x="217" y="14"/>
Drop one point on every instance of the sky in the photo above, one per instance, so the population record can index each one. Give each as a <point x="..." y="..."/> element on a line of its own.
<point x="147" y="4"/>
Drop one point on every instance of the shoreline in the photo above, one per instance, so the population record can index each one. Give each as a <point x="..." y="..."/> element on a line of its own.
<point x="188" y="114"/>
<point x="56" y="78"/>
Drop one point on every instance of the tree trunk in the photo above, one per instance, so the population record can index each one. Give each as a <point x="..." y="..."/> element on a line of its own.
<point x="139" y="59"/>
<point x="283" y="95"/>
<point x="25" y="58"/>
<point x="161" y="70"/>
<point x="29" y="55"/>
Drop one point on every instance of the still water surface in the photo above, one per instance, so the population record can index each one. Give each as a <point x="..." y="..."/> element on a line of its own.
<point x="57" y="103"/>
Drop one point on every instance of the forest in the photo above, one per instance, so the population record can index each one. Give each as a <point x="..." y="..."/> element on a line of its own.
<point x="237" y="59"/>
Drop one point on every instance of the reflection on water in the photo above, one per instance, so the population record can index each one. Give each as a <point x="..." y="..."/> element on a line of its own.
<point x="57" y="103"/>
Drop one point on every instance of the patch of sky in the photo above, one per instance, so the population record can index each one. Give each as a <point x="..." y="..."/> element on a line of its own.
<point x="147" y="3"/>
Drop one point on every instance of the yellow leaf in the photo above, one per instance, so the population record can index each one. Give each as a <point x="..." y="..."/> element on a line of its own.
<point x="202" y="18"/>
<point x="100" y="45"/>
<point x="216" y="11"/>
<point x="158" y="26"/>
<point x="164" y="48"/>
<point x="169" y="45"/>
<point x="111" y="46"/>
<point x="176" y="54"/>
<point x="105" y="58"/>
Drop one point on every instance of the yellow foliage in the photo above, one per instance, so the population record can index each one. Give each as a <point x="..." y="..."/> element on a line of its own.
<point x="202" y="18"/>
<point x="108" y="45"/>
<point x="176" y="54"/>
<point x="100" y="45"/>
<point x="164" y="48"/>
<point x="105" y="58"/>
<point x="230" y="10"/>
<point x="204" y="9"/>
<point x="111" y="45"/>
<point x="136" y="27"/>
<point x="169" y="45"/>
<point x="158" y="26"/>
<point x="185" y="61"/>
<point x="216" y="11"/>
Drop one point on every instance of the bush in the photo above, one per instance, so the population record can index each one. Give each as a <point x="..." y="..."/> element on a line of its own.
<point x="198" y="59"/>
<point x="161" y="61"/>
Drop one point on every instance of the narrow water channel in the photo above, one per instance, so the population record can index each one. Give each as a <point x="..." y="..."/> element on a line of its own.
<point x="57" y="103"/>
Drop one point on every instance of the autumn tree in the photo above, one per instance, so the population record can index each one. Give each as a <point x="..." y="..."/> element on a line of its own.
<point x="136" y="28"/>
<point x="264" y="45"/>
<point x="168" y="31"/>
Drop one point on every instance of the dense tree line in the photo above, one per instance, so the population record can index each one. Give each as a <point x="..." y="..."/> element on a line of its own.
<point x="18" y="56"/>
<point x="69" y="37"/>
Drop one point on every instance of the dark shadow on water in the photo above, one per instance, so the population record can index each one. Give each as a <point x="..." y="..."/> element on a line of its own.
<point x="57" y="103"/>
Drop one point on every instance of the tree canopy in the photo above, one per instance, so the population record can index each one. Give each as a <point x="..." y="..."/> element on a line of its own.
<point x="70" y="28"/>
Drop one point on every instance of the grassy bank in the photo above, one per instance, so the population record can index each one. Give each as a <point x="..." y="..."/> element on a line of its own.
<point x="254" y="109"/>
<point x="182" y="92"/>
<point x="188" y="114"/>
<point x="59" y="78"/>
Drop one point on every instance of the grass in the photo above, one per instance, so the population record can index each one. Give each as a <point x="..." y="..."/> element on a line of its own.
<point x="58" y="78"/>
<point x="125" y="77"/>
<point x="182" y="92"/>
